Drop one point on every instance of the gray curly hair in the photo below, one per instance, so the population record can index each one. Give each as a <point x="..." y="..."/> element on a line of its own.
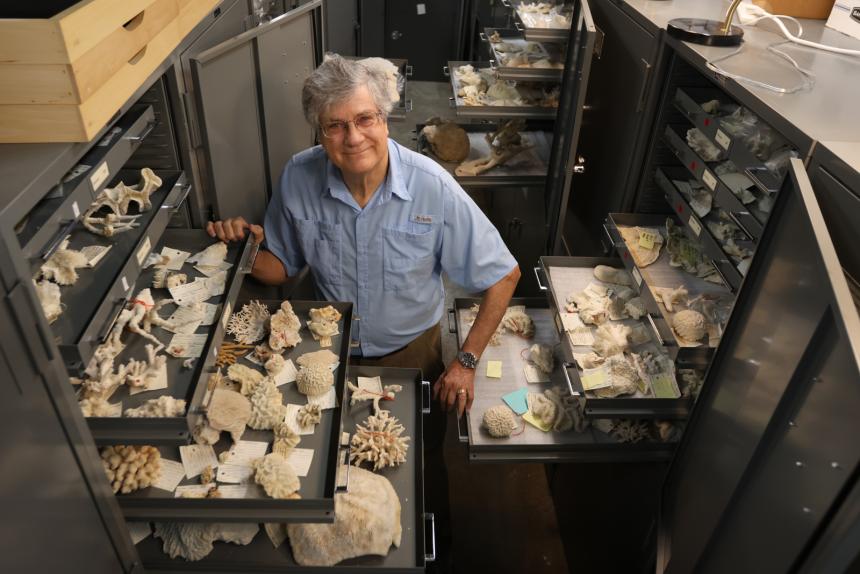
<point x="337" y="78"/>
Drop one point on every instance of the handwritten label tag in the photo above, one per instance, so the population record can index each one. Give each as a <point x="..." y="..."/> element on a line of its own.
<point x="176" y="258"/>
<point x="372" y="384"/>
<point x="709" y="179"/>
<point x="291" y="419"/>
<point x="188" y="346"/>
<point x="530" y="418"/>
<point x="300" y="459"/>
<point x="535" y="375"/>
<point x="581" y="338"/>
<point x="326" y="401"/>
<point x="647" y="239"/>
<point x="695" y="226"/>
<point x="196" y="291"/>
<point x="287" y="375"/>
<point x="94" y="254"/>
<point x="246" y="452"/>
<point x="594" y="379"/>
<point x="144" y="250"/>
<point x="234" y="473"/>
<point x="99" y="176"/>
<point x="722" y="139"/>
<point x="665" y="387"/>
<point x="572" y="321"/>
<point x="193" y="490"/>
<point x="196" y="457"/>
<point x="210" y="313"/>
<point x="172" y="473"/>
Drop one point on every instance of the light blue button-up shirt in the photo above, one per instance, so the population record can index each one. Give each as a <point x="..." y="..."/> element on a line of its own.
<point x="388" y="258"/>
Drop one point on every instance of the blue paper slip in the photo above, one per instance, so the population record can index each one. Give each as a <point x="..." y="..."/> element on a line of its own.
<point x="517" y="401"/>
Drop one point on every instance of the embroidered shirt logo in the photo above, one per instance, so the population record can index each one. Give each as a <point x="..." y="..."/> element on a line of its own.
<point x="422" y="218"/>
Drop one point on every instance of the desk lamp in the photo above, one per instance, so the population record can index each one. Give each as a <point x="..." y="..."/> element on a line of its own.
<point x="708" y="32"/>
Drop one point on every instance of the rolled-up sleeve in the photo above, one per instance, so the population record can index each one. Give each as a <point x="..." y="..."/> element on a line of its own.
<point x="280" y="231"/>
<point x="473" y="253"/>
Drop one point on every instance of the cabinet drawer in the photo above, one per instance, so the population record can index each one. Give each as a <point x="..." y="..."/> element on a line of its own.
<point x="536" y="52"/>
<point x="407" y="479"/>
<point x="70" y="198"/>
<point x="464" y="110"/>
<point x="72" y="77"/>
<point x="91" y="304"/>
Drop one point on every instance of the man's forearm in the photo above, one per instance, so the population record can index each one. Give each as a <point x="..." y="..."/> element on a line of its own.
<point x="268" y="269"/>
<point x="493" y="306"/>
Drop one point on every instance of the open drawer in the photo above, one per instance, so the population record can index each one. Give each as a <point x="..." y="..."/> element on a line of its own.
<point x="528" y="443"/>
<point x="540" y="101"/>
<point x="183" y="382"/>
<point x="515" y="58"/>
<point x="567" y="275"/>
<point x="538" y="27"/>
<point x="418" y="541"/>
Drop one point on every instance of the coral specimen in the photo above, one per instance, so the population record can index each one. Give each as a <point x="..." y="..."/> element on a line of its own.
<point x="117" y="200"/>
<point x="204" y="434"/>
<point x="691" y="383"/>
<point x="598" y="303"/>
<point x="229" y="353"/>
<point x="314" y="380"/>
<point x="143" y="374"/>
<point x="588" y="360"/>
<point x="163" y="406"/>
<point x="643" y="243"/>
<point x="276" y="476"/>
<point x="612" y="275"/>
<point x="626" y="430"/>
<point x="687" y="254"/>
<point x="163" y="278"/>
<point x="611" y="339"/>
<point x="308" y="415"/>
<point x="703" y="146"/>
<point x="207" y="475"/>
<point x="96" y="407"/>
<point x="212" y="256"/>
<point x="131" y="468"/>
<point x="367" y="521"/>
<point x="228" y="411"/>
<point x="622" y="377"/>
<point x="541" y="356"/>
<point x="250" y="324"/>
<point x="60" y="267"/>
<point x="505" y="143"/>
<point x="284" y="328"/>
<point x="558" y="410"/>
<point x="635" y="307"/>
<point x="327" y="313"/>
<point x="499" y="421"/>
<point x="138" y="319"/>
<point x="105" y="381"/>
<point x="247" y="377"/>
<point x="193" y="541"/>
<point x="519" y="323"/>
<point x="267" y="408"/>
<point x="689" y="325"/>
<point x="667" y="432"/>
<point x="359" y="395"/>
<point x="378" y="441"/>
<point x="263" y="353"/>
<point x="49" y="297"/>
<point x="285" y="439"/>
<point x="323" y="357"/>
<point x="275" y="365"/>
<point x="671" y="297"/>
<point x="323" y="330"/>
<point x="448" y="140"/>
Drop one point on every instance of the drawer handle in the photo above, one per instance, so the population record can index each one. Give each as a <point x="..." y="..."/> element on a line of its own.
<point x="431" y="557"/>
<point x="134" y="22"/>
<point x="451" y="103"/>
<point x="483" y="37"/>
<point x="138" y="57"/>
<point x="249" y="255"/>
<point x="426" y="394"/>
<point x="564" y="369"/>
<point x="506" y="3"/>
<point x="345" y="449"/>
<point x="462" y="436"/>
<point x="150" y="127"/>
<point x="519" y="27"/>
<point x="408" y="71"/>
<point x="451" y="329"/>
<point x="538" y="271"/>
<point x="182" y="197"/>
<point x="58" y="239"/>
<point x="446" y="72"/>
<point x="493" y="65"/>
<point x="737" y="222"/>
<point x="115" y="312"/>
<point x="656" y="331"/>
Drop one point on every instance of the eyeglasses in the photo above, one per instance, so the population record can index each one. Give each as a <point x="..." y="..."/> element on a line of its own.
<point x="362" y="122"/>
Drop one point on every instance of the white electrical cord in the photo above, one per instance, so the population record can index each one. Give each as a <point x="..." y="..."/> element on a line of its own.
<point x="807" y="81"/>
<point x="749" y="14"/>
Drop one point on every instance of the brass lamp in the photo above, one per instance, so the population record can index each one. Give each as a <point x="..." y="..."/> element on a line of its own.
<point x="708" y="32"/>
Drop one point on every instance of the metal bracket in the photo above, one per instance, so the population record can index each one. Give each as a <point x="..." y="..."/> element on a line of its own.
<point x="344" y="447"/>
<point x="409" y="71"/>
<point x="493" y="65"/>
<point x="483" y="37"/>
<point x="446" y="72"/>
<point x="432" y="556"/>
<point x="182" y="197"/>
<point x="656" y="331"/>
<point x="451" y="314"/>
<point x="249" y="255"/>
<point x="541" y="286"/>
<point x="564" y="367"/>
<point x="463" y="437"/>
<point x="58" y="239"/>
<point x="519" y="27"/>
<point x="451" y="103"/>
<point x="506" y="4"/>
<point x="150" y="127"/>
<point x="428" y="394"/>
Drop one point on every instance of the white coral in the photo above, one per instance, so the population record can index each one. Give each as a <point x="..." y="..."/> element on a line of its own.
<point x="247" y="377"/>
<point x="96" y="407"/>
<point x="250" y="324"/>
<point x="131" y="468"/>
<point x="286" y="439"/>
<point x="689" y="325"/>
<point x="144" y="374"/>
<point x="609" y="274"/>
<point x="228" y="411"/>
<point x="499" y="421"/>
<point x="630" y="431"/>
<point x="327" y="313"/>
<point x="367" y="521"/>
<point x="308" y="415"/>
<point x="378" y="441"/>
<point x="519" y="323"/>
<point x="611" y="339"/>
<point x="541" y="356"/>
<point x="284" y="328"/>
<point x="267" y="408"/>
<point x="164" y="406"/>
<point x="49" y="298"/>
<point x="314" y="380"/>
<point x="671" y="297"/>
<point x="275" y="364"/>
<point x="622" y="377"/>
<point x="60" y="267"/>
<point x="359" y="395"/>
<point x="323" y="356"/>
<point x="193" y="541"/>
<point x="276" y="476"/>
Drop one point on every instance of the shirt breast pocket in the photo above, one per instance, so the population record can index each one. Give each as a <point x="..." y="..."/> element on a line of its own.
<point x="321" y="243"/>
<point x="409" y="258"/>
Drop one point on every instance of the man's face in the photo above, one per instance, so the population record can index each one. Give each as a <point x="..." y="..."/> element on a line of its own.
<point x="356" y="151"/>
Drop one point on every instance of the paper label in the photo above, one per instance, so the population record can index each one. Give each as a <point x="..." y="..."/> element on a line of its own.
<point x="290" y="419"/>
<point x="95" y="253"/>
<point x="144" y="250"/>
<point x="188" y="346"/>
<point x="193" y="490"/>
<point x="210" y="313"/>
<point x="99" y="176"/>
<point x="248" y="490"/>
<point x="196" y="291"/>
<point x="138" y="531"/>
<point x="124" y="282"/>
<point x="326" y="401"/>
<point x="530" y="418"/>
<point x="664" y="387"/>
<point x="517" y="401"/>
<point x="572" y="322"/>
<point x="300" y="459"/>
<point x="594" y="379"/>
<point x="234" y="473"/>
<point x="372" y="384"/>
<point x="172" y="473"/>
<point x="709" y="179"/>
<point x="494" y="369"/>
<point x="287" y="374"/>
<point x="637" y="277"/>
<point x="581" y="338"/>
<point x="647" y="239"/>
<point x="534" y="375"/>
<point x="246" y="452"/>
<point x="212" y="270"/>
<point x="185" y="320"/>
<point x="176" y="258"/>
<point x="225" y="318"/>
<point x="196" y="457"/>
<point x="76" y="210"/>
<point x="421" y="9"/>
<point x="722" y="139"/>
<point x="694" y="225"/>
<point x="158" y="383"/>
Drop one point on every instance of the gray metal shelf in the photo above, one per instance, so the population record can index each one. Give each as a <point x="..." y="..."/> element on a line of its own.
<point x="407" y="479"/>
<point x="697" y="230"/>
<point x="98" y="295"/>
<point x="527" y="169"/>
<point x="182" y="382"/>
<point x="464" y="110"/>
<point x="520" y="73"/>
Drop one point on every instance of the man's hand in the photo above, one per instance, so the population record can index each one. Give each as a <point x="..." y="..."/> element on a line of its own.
<point x="447" y="389"/>
<point x="233" y="229"/>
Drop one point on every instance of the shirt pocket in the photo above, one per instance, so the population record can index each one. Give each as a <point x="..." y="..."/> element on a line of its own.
<point x="409" y="258"/>
<point x="321" y="244"/>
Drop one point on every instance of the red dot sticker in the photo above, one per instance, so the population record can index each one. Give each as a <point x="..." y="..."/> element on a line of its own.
<point x="707" y="122"/>
<point x="679" y="208"/>
<point x="693" y="165"/>
<point x="626" y="255"/>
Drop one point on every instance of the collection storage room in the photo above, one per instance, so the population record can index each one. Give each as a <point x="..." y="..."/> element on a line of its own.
<point x="444" y="286"/>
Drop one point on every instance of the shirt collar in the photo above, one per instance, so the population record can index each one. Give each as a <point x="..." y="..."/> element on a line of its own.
<point x="393" y="184"/>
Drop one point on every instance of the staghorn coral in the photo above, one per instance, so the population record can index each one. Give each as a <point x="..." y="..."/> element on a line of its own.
<point x="367" y="521"/>
<point x="499" y="421"/>
<point x="378" y="441"/>
<point x="308" y="415"/>
<point x="541" y="356"/>
<point x="143" y="374"/>
<point x="250" y="324"/>
<point x="96" y="407"/>
<point x="193" y="541"/>
<point x="284" y="328"/>
<point x="359" y="395"/>
<point x="285" y="439"/>
<point x="267" y="408"/>
<point x="163" y="406"/>
<point x="276" y="476"/>
<point x="49" y="298"/>
<point x="314" y="380"/>
<point x="131" y="468"/>
<point x="626" y="430"/>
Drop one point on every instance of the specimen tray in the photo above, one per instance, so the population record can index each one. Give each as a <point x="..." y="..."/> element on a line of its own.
<point x="464" y="110"/>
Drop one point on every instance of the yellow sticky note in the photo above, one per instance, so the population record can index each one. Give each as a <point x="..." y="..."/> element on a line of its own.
<point x="664" y="387"/>
<point x="530" y="418"/>
<point x="595" y="379"/>
<point x="647" y="239"/>
<point x="494" y="369"/>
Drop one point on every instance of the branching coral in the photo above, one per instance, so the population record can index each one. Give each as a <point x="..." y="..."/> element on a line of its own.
<point x="164" y="406"/>
<point x="250" y="324"/>
<point x="314" y="380"/>
<point x="359" y="395"/>
<point x="284" y="328"/>
<point x="143" y="374"/>
<point x="96" y="407"/>
<point x="378" y="441"/>
<point x="193" y="541"/>
<point x="276" y="476"/>
<point x="629" y="431"/>
<point x="367" y="521"/>
<point x="131" y="468"/>
<point x="308" y="415"/>
<point x="499" y="421"/>
<point x="274" y="365"/>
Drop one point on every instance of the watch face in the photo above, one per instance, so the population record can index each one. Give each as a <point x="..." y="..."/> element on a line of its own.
<point x="467" y="359"/>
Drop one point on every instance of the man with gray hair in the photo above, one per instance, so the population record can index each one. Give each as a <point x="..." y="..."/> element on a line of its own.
<point x="378" y="224"/>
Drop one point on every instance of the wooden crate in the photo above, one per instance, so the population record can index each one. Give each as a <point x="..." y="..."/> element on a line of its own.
<point x="61" y="73"/>
<point x="78" y="122"/>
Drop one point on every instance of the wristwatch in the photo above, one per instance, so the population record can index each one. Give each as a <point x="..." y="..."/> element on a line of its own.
<point x="467" y="359"/>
